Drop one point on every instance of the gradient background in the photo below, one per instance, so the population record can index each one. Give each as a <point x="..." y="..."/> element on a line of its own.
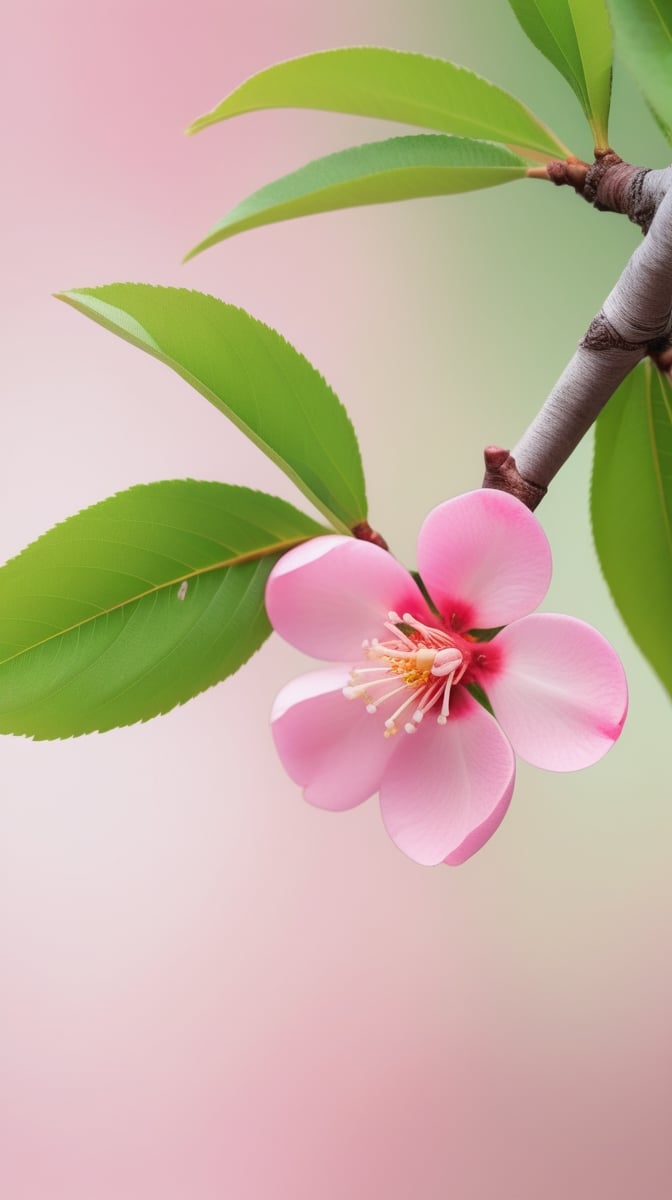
<point x="207" y="988"/>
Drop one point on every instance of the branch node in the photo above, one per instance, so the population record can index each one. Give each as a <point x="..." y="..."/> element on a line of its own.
<point x="612" y="185"/>
<point x="502" y="474"/>
<point x="601" y="335"/>
<point x="605" y="161"/>
<point x="570" y="172"/>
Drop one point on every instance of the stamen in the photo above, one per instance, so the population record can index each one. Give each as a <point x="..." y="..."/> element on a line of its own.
<point x="400" y="635"/>
<point x="420" y="663"/>
<point x="434" y="636"/>
<point x="389" y="695"/>
<point x="384" y="678"/>
<point x="430" y="696"/>
<point x="393" y="719"/>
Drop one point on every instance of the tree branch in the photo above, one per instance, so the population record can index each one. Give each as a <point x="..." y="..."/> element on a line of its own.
<point x="635" y="320"/>
<point x="611" y="185"/>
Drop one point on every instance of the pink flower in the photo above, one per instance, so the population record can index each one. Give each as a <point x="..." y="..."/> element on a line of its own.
<point x="399" y="718"/>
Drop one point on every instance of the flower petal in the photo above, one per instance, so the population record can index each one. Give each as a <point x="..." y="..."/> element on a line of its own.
<point x="448" y="786"/>
<point x="560" y="692"/>
<point x="329" y="745"/>
<point x="484" y="559"/>
<point x="326" y="596"/>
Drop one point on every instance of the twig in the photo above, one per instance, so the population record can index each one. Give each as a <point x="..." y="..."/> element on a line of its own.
<point x="611" y="185"/>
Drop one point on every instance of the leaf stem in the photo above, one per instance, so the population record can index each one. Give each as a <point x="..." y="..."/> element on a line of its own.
<point x="365" y="533"/>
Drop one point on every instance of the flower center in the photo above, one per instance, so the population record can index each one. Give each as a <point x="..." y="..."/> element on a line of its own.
<point x="417" y="663"/>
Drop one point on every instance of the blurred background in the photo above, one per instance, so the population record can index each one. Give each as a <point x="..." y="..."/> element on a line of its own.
<point x="207" y="988"/>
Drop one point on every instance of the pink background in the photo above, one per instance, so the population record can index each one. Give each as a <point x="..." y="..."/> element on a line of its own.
<point x="208" y="989"/>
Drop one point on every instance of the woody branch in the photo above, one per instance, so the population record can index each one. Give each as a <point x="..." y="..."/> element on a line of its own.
<point x="634" y="321"/>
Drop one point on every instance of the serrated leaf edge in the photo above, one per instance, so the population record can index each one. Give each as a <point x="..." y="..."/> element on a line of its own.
<point x="70" y="298"/>
<point x="226" y="227"/>
<point x="211" y="117"/>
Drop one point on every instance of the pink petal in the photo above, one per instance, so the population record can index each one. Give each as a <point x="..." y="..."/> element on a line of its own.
<point x="484" y="559"/>
<point x="328" y="595"/>
<point x="560" y="692"/>
<point x="329" y="745"/>
<point x="448" y="786"/>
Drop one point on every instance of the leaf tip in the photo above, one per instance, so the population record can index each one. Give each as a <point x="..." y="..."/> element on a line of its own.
<point x="68" y="297"/>
<point x="210" y="240"/>
<point x="199" y="124"/>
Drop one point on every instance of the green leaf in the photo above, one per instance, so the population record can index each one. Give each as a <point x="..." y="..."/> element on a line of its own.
<point x="252" y="375"/>
<point x="137" y="604"/>
<point x="397" y="86"/>
<point x="631" y="506"/>
<point x="399" y="169"/>
<point x="643" y="31"/>
<point x="575" y="36"/>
